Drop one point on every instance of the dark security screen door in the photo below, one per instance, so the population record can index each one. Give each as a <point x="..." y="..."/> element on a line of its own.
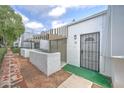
<point x="90" y="51"/>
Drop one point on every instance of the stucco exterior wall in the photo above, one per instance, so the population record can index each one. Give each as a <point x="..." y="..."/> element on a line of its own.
<point x="117" y="29"/>
<point x="97" y="24"/>
<point x="117" y="72"/>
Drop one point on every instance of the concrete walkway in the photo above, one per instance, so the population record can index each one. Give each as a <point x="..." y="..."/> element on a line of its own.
<point x="76" y="82"/>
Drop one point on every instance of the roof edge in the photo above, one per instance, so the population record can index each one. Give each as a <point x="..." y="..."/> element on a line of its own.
<point x="88" y="18"/>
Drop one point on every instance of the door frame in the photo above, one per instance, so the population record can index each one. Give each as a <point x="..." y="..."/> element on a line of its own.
<point x="98" y="49"/>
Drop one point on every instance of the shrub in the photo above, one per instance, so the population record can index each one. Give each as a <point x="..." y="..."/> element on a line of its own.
<point x="2" y="53"/>
<point x="15" y="50"/>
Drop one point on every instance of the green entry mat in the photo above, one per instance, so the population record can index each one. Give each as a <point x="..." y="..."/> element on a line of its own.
<point x="90" y="75"/>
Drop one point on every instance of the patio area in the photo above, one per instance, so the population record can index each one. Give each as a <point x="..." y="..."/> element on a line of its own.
<point x="31" y="77"/>
<point x="37" y="79"/>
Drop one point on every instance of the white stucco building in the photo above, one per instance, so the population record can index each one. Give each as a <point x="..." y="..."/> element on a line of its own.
<point x="93" y="41"/>
<point x="22" y="40"/>
<point x="93" y="24"/>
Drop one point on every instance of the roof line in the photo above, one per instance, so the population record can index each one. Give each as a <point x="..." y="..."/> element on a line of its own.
<point x="88" y="18"/>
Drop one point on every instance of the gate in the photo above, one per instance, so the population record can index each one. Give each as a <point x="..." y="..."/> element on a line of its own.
<point x="90" y="51"/>
<point x="59" y="45"/>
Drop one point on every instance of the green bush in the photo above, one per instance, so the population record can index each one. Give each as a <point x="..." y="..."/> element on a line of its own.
<point x="15" y="50"/>
<point x="2" y="53"/>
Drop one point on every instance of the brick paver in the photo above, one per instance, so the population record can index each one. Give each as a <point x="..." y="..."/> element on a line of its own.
<point x="11" y="75"/>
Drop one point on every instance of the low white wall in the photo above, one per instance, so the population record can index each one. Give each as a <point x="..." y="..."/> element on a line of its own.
<point x="25" y="52"/>
<point x="48" y="63"/>
<point x="118" y="72"/>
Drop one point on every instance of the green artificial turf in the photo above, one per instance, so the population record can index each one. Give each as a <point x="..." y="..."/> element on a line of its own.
<point x="90" y="75"/>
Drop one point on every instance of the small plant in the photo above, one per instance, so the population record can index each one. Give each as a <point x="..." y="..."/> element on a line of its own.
<point x="2" y="53"/>
<point x="15" y="50"/>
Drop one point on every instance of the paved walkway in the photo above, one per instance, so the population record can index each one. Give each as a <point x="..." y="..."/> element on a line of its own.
<point x="76" y="82"/>
<point x="11" y="75"/>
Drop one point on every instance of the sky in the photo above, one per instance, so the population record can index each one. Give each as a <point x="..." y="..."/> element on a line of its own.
<point x="38" y="18"/>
